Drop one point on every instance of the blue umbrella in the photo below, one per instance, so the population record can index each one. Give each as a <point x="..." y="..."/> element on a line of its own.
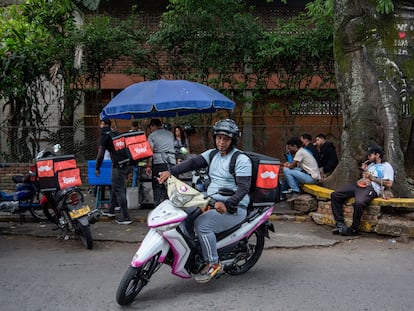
<point x="165" y="98"/>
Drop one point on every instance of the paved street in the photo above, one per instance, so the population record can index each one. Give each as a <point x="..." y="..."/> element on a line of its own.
<point x="361" y="274"/>
<point x="303" y="267"/>
<point x="293" y="230"/>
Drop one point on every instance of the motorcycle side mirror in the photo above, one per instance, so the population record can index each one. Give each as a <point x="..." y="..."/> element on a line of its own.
<point x="225" y="192"/>
<point x="56" y="148"/>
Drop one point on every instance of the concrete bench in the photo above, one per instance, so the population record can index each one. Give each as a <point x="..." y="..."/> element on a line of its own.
<point x="380" y="216"/>
<point x="325" y="194"/>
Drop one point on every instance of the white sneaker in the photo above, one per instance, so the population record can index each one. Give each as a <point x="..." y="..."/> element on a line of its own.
<point x="107" y="214"/>
<point x="124" y="221"/>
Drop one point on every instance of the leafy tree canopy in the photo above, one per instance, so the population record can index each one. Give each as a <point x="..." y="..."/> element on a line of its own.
<point x="223" y="34"/>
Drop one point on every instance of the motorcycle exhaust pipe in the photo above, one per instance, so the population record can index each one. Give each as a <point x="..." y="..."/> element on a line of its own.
<point x="94" y="216"/>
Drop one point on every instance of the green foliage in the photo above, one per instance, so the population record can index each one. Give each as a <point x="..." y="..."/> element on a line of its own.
<point x="40" y="41"/>
<point x="222" y="33"/>
<point x="144" y="57"/>
<point x="90" y="4"/>
<point x="209" y="41"/>
<point x="299" y="50"/>
<point x="33" y="46"/>
<point x="385" y="6"/>
<point x="320" y="12"/>
<point x="104" y="40"/>
<point x="226" y="38"/>
<point x="23" y="49"/>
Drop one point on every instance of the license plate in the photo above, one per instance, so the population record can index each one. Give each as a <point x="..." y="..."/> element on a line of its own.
<point x="79" y="212"/>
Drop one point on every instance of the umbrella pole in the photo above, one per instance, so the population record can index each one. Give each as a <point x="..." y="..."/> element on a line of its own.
<point x="116" y="126"/>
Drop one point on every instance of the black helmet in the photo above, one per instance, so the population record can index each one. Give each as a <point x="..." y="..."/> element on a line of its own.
<point x="226" y="127"/>
<point x="189" y="129"/>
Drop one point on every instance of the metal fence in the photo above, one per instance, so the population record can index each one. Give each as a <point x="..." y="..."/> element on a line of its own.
<point x="22" y="144"/>
<point x="83" y="141"/>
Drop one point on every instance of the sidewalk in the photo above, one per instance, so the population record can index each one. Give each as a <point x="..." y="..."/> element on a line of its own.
<point x="292" y="229"/>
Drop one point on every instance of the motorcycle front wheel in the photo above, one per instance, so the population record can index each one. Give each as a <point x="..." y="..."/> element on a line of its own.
<point x="85" y="235"/>
<point x="252" y="253"/>
<point x="134" y="281"/>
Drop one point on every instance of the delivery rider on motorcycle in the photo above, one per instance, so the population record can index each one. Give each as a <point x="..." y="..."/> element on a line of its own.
<point x="228" y="211"/>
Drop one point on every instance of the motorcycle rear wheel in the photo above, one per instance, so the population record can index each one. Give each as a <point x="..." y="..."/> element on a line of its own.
<point x="255" y="245"/>
<point x="85" y="235"/>
<point x="134" y="281"/>
<point x="51" y="213"/>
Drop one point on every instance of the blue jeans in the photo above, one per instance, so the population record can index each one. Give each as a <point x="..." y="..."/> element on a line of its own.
<point x="211" y="222"/>
<point x="296" y="177"/>
<point x="135" y="175"/>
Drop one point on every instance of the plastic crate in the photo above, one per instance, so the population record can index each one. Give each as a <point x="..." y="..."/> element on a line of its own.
<point x="105" y="176"/>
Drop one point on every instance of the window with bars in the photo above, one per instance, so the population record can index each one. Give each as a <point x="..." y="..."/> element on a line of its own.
<point x="317" y="107"/>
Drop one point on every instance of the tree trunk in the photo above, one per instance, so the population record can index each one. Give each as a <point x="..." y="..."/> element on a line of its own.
<point x="373" y="63"/>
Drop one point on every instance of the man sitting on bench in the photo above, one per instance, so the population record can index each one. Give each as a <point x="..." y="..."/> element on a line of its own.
<point x="377" y="175"/>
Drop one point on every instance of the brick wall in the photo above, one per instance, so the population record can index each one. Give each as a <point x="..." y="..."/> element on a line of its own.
<point x="370" y="216"/>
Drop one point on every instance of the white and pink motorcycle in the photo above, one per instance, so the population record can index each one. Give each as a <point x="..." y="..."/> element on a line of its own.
<point x="171" y="240"/>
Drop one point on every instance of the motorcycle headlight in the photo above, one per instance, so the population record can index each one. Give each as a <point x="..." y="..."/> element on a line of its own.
<point x="179" y="199"/>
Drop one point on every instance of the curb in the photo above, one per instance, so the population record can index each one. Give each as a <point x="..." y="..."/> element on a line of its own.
<point x="295" y="218"/>
<point x="143" y="219"/>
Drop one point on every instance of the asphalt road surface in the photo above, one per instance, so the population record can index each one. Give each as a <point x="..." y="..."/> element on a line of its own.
<point x="363" y="274"/>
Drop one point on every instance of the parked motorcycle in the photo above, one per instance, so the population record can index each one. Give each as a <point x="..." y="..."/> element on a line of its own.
<point x="171" y="240"/>
<point x="59" y="181"/>
<point x="26" y="197"/>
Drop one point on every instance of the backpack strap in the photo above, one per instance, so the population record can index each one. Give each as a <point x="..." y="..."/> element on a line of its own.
<point x="232" y="164"/>
<point x="211" y="156"/>
<point x="111" y="133"/>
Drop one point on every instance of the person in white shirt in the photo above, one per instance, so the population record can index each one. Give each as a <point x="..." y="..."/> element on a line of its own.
<point x="308" y="172"/>
<point x="377" y="176"/>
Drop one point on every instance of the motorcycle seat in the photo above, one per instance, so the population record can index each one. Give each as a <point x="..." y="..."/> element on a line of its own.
<point x="251" y="214"/>
<point x="223" y="234"/>
<point x="18" y="179"/>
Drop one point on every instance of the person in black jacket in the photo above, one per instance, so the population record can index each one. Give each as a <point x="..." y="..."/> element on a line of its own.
<point x="119" y="173"/>
<point x="307" y="143"/>
<point x="327" y="158"/>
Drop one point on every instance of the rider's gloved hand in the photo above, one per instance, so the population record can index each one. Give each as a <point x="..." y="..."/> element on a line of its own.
<point x="230" y="208"/>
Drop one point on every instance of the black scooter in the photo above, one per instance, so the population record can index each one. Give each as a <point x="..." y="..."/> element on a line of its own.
<point x="65" y="206"/>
